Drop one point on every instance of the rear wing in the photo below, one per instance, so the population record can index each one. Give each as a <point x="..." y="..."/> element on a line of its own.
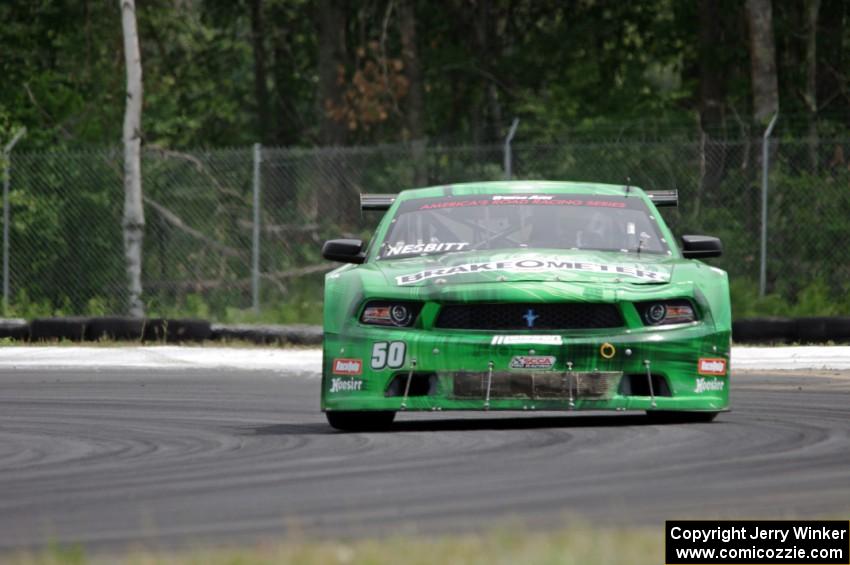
<point x="382" y="202"/>
<point x="377" y="202"/>
<point x="664" y="197"/>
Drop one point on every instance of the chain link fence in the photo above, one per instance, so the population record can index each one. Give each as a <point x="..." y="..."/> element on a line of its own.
<point x="65" y="238"/>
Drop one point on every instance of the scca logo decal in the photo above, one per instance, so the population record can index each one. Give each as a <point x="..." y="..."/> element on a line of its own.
<point x="532" y="362"/>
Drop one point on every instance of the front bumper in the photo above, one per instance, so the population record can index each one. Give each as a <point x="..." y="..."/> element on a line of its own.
<point x="652" y="369"/>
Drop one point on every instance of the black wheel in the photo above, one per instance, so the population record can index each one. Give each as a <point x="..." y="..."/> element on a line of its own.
<point x="360" y="421"/>
<point x="670" y="417"/>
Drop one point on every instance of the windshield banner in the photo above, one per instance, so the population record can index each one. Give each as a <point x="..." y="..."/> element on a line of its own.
<point x="534" y="266"/>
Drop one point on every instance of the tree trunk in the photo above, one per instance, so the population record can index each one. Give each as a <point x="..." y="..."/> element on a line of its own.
<point x="711" y="72"/>
<point x="764" y="85"/>
<point x="762" y="60"/>
<point x="712" y="94"/>
<point x="415" y="106"/>
<point x="331" y="201"/>
<point x="332" y="55"/>
<point x="289" y="124"/>
<point x="134" y="213"/>
<point x="261" y="91"/>
<point x="487" y="51"/>
<point x="830" y="52"/>
<point x="812" y="9"/>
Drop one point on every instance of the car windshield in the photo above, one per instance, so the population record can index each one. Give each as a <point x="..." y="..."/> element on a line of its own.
<point x="428" y="226"/>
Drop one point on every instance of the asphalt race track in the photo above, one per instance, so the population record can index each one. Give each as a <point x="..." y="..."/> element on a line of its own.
<point x="115" y="459"/>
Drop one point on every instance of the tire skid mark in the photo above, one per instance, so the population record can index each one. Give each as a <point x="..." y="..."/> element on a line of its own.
<point x="183" y="457"/>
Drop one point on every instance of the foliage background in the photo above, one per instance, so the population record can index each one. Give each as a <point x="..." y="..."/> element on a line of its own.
<point x="591" y="67"/>
<point x="380" y="95"/>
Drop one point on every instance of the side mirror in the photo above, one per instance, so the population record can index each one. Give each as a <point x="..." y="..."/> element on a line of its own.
<point x="344" y="250"/>
<point x="701" y="246"/>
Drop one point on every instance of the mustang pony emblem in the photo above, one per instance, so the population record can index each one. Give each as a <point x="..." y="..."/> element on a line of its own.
<point x="529" y="317"/>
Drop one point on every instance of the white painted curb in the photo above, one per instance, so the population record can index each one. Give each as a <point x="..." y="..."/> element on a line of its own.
<point x="826" y="357"/>
<point x="162" y="357"/>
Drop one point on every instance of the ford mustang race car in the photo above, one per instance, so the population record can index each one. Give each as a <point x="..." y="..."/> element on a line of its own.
<point x="524" y="296"/>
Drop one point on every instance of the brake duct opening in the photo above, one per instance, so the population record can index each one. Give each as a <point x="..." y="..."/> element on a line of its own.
<point x="637" y="384"/>
<point x="421" y="384"/>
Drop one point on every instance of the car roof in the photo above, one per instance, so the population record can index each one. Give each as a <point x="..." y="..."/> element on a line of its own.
<point x="518" y="187"/>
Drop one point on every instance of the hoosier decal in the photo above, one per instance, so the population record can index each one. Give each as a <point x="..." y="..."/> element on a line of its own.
<point x="346" y="385"/>
<point x="709" y="385"/>
<point x="532" y="266"/>
<point x="711" y="366"/>
<point x="347" y="367"/>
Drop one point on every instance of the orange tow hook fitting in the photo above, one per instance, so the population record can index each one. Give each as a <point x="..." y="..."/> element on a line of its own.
<point x="607" y="350"/>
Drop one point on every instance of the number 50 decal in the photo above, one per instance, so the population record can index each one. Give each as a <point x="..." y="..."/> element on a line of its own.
<point x="388" y="354"/>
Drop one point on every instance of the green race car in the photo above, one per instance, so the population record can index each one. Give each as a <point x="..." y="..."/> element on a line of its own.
<point x="524" y="296"/>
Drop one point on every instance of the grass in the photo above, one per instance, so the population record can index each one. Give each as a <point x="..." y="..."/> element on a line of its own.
<point x="579" y="545"/>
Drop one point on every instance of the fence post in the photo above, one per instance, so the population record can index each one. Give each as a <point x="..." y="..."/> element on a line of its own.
<point x="7" y="174"/>
<point x="508" y="155"/>
<point x="255" y="239"/>
<point x="765" y="167"/>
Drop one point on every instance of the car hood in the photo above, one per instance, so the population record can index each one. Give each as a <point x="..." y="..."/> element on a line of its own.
<point x="545" y="265"/>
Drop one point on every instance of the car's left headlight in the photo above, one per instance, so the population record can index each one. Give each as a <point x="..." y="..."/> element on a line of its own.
<point x="666" y="312"/>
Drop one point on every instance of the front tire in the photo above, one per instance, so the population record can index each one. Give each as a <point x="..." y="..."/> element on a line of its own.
<point x="672" y="417"/>
<point x="360" y="421"/>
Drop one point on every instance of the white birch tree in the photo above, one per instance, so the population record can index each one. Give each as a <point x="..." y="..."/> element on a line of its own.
<point x="811" y="91"/>
<point x="133" y="223"/>
<point x="765" y="84"/>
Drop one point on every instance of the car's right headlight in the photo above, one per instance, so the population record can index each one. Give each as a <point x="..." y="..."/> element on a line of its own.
<point x="400" y="314"/>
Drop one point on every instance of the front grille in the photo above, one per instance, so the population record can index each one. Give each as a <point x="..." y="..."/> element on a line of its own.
<point x="555" y="316"/>
<point x="540" y="385"/>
